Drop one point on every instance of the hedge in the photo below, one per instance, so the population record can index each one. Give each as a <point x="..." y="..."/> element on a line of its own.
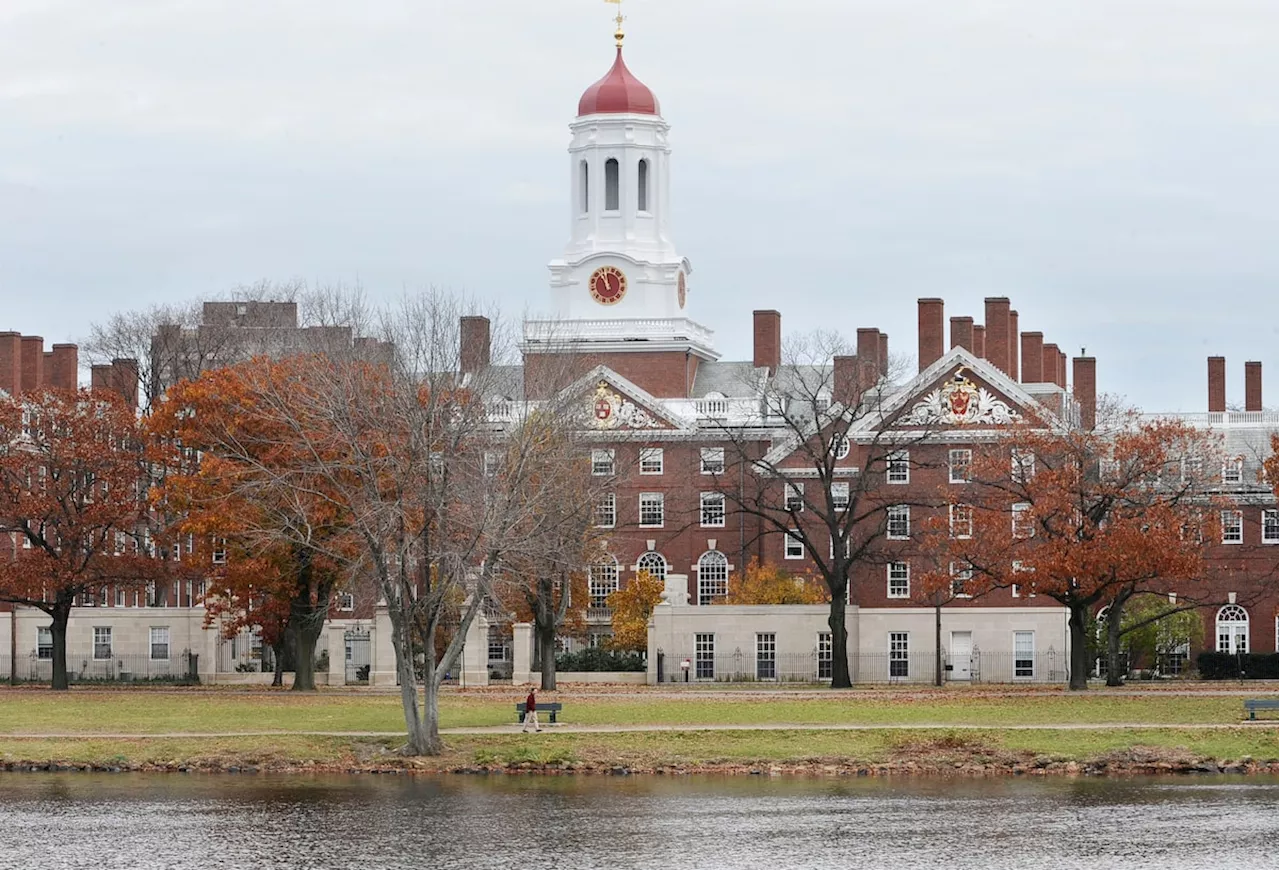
<point x="600" y="659"/>
<point x="1228" y="666"/>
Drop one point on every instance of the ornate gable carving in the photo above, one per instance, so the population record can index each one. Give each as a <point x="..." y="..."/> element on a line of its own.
<point x="610" y="410"/>
<point x="960" y="401"/>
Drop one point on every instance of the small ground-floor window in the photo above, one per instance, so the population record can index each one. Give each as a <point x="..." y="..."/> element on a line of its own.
<point x="1024" y="655"/>
<point x="899" y="664"/>
<point x="825" y="657"/>
<point x="44" y="643"/>
<point x="159" y="643"/>
<point x="704" y="656"/>
<point x="101" y="642"/>
<point x="766" y="657"/>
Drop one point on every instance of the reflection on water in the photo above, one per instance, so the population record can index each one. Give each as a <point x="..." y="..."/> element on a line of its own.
<point x="179" y="821"/>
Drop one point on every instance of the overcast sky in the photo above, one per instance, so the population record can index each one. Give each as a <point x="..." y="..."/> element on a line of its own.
<point x="1109" y="165"/>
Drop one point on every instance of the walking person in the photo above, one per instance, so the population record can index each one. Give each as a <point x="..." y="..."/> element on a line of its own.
<point x="531" y="712"/>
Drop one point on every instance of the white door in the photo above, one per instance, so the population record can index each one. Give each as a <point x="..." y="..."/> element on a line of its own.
<point x="961" y="655"/>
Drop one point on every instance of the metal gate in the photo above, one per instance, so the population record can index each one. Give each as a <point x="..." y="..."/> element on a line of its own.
<point x="358" y="655"/>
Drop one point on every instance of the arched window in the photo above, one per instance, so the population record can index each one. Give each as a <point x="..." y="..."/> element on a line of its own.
<point x="713" y="576"/>
<point x="602" y="580"/>
<point x="642" y="186"/>
<point x="584" y="185"/>
<point x="611" y="185"/>
<point x="1233" y="629"/>
<point x="654" y="564"/>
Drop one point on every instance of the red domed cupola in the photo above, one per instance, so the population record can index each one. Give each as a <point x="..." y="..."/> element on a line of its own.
<point x="619" y="92"/>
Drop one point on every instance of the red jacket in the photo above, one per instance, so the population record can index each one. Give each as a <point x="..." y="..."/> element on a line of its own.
<point x="530" y="704"/>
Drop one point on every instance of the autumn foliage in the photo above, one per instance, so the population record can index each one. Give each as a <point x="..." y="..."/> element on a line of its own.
<point x="770" y="584"/>
<point x="632" y="606"/>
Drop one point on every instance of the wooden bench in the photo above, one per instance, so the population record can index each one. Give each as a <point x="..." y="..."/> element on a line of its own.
<point x="1253" y="705"/>
<point x="550" y="709"/>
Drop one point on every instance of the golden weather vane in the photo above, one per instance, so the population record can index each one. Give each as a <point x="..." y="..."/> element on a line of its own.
<point x="618" y="19"/>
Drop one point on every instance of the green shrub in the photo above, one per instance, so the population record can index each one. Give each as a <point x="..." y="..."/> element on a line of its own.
<point x="600" y="659"/>
<point x="1229" y="666"/>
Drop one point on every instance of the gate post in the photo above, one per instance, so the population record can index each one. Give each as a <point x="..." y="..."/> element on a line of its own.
<point x="337" y="653"/>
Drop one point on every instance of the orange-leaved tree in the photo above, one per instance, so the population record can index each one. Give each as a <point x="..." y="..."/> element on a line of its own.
<point x="771" y="584"/>
<point x="632" y="606"/>
<point x="1083" y="517"/>
<point x="73" y="508"/>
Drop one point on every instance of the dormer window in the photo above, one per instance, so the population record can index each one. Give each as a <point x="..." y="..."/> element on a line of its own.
<point x="642" y="186"/>
<point x="611" y="185"/>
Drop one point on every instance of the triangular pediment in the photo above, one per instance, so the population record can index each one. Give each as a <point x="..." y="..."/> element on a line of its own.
<point x="612" y="403"/>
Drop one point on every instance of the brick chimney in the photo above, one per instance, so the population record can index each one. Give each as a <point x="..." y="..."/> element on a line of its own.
<point x="475" y="347"/>
<point x="1050" y="361"/>
<point x="1013" y="345"/>
<point x="979" y="341"/>
<point x="1062" y="369"/>
<point x="1084" y="385"/>
<point x="930" y="326"/>
<point x="997" y="338"/>
<point x="844" y="379"/>
<point x="32" y="363"/>
<point x="767" y="340"/>
<point x="1217" y="384"/>
<point x="63" y="371"/>
<point x="124" y="380"/>
<point x="962" y="333"/>
<point x="100" y="376"/>
<point x="11" y="362"/>
<point x="868" y="357"/>
<point x="1032" y="357"/>
<point x="1253" y="386"/>
<point x="884" y="353"/>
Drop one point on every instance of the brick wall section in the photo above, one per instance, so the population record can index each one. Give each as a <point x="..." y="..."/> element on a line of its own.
<point x="929" y="332"/>
<point x="1217" y="383"/>
<point x="1032" y="357"/>
<point x="766" y="339"/>
<point x="962" y="333"/>
<point x="475" y="347"/>
<point x="11" y="362"/>
<point x="998" y="337"/>
<point x="1084" y="385"/>
<point x="1013" y="345"/>
<point x="1049" y="371"/>
<point x="32" y="363"/>
<point x="979" y="341"/>
<point x="1253" y="386"/>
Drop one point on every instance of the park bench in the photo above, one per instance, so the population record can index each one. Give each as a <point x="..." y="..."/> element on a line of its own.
<point x="1252" y="705"/>
<point x="550" y="709"/>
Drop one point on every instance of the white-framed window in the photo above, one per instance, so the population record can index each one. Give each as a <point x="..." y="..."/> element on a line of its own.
<point x="1232" y="527"/>
<point x="899" y="655"/>
<point x="346" y="602"/>
<point x="584" y="187"/>
<point x="1233" y="629"/>
<point x="159" y="643"/>
<point x="961" y="575"/>
<point x="840" y="494"/>
<point x="654" y="563"/>
<point x="961" y="521"/>
<point x="840" y="445"/>
<point x="898" y="467"/>
<point x="652" y="510"/>
<point x="794" y="497"/>
<point x="713" y="576"/>
<point x="1270" y="526"/>
<point x="1022" y="465"/>
<point x="1233" y="470"/>
<point x="959" y="463"/>
<point x="825" y="655"/>
<point x="602" y="580"/>
<point x="44" y="642"/>
<point x="766" y="656"/>
<point x="101" y="642"/>
<point x="899" y="574"/>
<point x="492" y="463"/>
<point x="712" y="460"/>
<point x="119" y="597"/>
<point x="219" y="551"/>
<point x="704" y="656"/>
<point x="602" y="462"/>
<point x="793" y="548"/>
<point x="607" y="511"/>
<point x="651" y="460"/>
<point x="642" y="185"/>
<point x="1024" y="655"/>
<point x="711" y="510"/>
<point x="1016" y="588"/>
<point x="1022" y="525"/>
<point x="898" y="524"/>
<point x="1192" y="468"/>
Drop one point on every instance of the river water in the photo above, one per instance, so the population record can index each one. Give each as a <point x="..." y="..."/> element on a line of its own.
<point x="143" y="821"/>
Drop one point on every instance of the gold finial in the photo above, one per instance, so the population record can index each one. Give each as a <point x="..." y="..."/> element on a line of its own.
<point x="618" y="19"/>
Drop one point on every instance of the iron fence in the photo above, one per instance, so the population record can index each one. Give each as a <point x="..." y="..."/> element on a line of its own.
<point x="881" y="668"/>
<point x="179" y="668"/>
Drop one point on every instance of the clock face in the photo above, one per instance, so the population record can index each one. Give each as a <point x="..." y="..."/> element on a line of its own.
<point x="608" y="285"/>
<point x="680" y="289"/>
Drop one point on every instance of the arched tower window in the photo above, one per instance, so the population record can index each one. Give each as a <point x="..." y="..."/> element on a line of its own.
<point x="584" y="186"/>
<point x="713" y="576"/>
<point x="642" y="186"/>
<point x="654" y="564"/>
<point x="1233" y="629"/>
<point x="602" y="580"/>
<point x="611" y="185"/>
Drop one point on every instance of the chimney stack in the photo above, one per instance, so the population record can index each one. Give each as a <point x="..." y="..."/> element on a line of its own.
<point x="1032" y="357"/>
<point x="1216" y="384"/>
<point x="962" y="333"/>
<point x="844" y="379"/>
<point x="884" y="354"/>
<point x="930" y="320"/>
<point x="1050" y="357"/>
<point x="475" y="346"/>
<point x="767" y="340"/>
<point x="979" y="341"/>
<point x="11" y="363"/>
<point x="124" y="380"/>
<point x="1062" y="369"/>
<point x="1013" y="345"/>
<point x="997" y="333"/>
<point x="1084" y="383"/>
<point x="32" y="363"/>
<point x="1253" y="386"/>
<point x="868" y="357"/>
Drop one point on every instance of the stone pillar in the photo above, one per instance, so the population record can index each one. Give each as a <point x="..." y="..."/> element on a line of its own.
<point x="338" y="653"/>
<point x="475" y="654"/>
<point x="521" y="653"/>
<point x="382" y="668"/>
<point x="207" y="666"/>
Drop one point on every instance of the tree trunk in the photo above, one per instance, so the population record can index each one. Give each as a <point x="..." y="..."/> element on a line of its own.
<point x="431" y="743"/>
<point x="1079" y="647"/>
<point x="840" y="678"/>
<point x="58" y="628"/>
<point x="1114" y="614"/>
<point x="937" y="643"/>
<point x="277" y="650"/>
<point x="403" y="647"/>
<point x="547" y="649"/>
<point x="304" y="659"/>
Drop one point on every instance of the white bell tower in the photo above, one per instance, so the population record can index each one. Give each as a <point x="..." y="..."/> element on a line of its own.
<point x="620" y="284"/>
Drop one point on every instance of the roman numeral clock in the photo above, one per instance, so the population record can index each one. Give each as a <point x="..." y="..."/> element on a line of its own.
<point x="608" y="285"/>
